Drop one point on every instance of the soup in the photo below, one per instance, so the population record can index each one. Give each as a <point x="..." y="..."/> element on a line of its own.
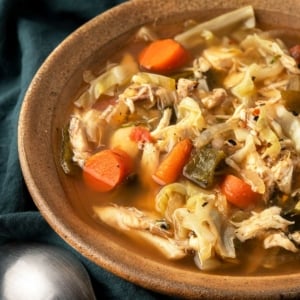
<point x="187" y="140"/>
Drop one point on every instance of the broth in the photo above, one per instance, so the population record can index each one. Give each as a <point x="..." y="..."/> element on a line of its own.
<point x="139" y="190"/>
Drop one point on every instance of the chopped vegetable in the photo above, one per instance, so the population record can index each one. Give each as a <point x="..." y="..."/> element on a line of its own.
<point x="171" y="167"/>
<point x="155" y="79"/>
<point x="238" y="192"/>
<point x="121" y="140"/>
<point x="106" y="169"/>
<point x="105" y="82"/>
<point x="243" y="16"/>
<point x="290" y="124"/>
<point x="190" y="122"/>
<point x="267" y="135"/>
<point x="163" y="56"/>
<point x="202" y="165"/>
<point x="140" y="134"/>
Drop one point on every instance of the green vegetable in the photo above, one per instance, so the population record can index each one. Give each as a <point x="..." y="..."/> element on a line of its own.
<point x="215" y="78"/>
<point x="202" y="166"/>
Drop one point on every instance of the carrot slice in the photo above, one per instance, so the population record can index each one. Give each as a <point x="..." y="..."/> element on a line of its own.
<point x="171" y="167"/>
<point x="163" y="56"/>
<point x="106" y="169"/>
<point x="238" y="192"/>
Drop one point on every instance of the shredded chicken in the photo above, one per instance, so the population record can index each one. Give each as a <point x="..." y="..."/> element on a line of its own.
<point x="215" y="98"/>
<point x="185" y="87"/>
<point x="134" y="222"/>
<point x="259" y="223"/>
<point x="279" y="239"/>
<point x="295" y="236"/>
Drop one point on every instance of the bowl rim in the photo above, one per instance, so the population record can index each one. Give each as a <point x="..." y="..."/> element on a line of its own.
<point x="157" y="277"/>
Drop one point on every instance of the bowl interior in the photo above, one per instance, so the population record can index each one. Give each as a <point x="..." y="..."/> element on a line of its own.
<point x="43" y="115"/>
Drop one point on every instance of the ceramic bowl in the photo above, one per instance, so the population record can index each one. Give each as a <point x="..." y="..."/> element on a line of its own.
<point x="43" y="112"/>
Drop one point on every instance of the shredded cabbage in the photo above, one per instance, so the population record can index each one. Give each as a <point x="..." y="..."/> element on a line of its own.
<point x="242" y="17"/>
<point x="116" y="75"/>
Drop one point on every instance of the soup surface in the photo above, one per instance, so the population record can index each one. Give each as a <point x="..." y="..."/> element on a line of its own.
<point x="188" y="140"/>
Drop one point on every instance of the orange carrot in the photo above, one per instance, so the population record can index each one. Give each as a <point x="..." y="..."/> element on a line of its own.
<point x="163" y="56"/>
<point x="238" y="192"/>
<point x="171" y="167"/>
<point x="106" y="169"/>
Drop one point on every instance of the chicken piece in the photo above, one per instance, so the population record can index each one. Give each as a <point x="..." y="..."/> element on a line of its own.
<point x="295" y="236"/>
<point x="279" y="239"/>
<point x="201" y="64"/>
<point x="221" y="58"/>
<point x="135" y="223"/>
<point x="259" y="223"/>
<point x="85" y="129"/>
<point x="185" y="87"/>
<point x="79" y="143"/>
<point x="215" y="98"/>
<point x="283" y="174"/>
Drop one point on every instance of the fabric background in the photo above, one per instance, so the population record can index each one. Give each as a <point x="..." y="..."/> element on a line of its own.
<point x="29" y="31"/>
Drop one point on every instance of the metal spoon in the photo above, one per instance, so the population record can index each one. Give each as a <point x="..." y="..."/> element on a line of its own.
<point x="42" y="272"/>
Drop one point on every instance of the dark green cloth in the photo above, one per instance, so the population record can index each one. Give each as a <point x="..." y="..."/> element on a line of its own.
<point x="29" y="31"/>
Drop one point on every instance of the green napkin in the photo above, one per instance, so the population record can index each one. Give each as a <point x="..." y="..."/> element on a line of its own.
<point x="29" y="31"/>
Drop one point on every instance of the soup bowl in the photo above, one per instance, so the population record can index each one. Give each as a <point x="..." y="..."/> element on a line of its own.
<point x="58" y="82"/>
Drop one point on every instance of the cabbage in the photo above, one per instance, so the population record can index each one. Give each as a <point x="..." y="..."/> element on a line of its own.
<point x="272" y="51"/>
<point x="242" y="17"/>
<point x="169" y="198"/>
<point x="115" y="76"/>
<point x="221" y="58"/>
<point x="211" y="132"/>
<point x="190" y="122"/>
<point x="245" y="89"/>
<point x="289" y="123"/>
<point x="195" y="217"/>
<point x="189" y="114"/>
<point x="261" y="72"/>
<point x="154" y="79"/>
<point x="209" y="227"/>
<point x="250" y="165"/>
<point x="267" y="135"/>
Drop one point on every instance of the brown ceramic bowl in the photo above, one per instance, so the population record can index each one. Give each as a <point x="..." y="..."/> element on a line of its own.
<point x="42" y="114"/>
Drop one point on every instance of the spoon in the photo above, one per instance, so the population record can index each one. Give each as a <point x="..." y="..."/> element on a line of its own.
<point x="38" y="272"/>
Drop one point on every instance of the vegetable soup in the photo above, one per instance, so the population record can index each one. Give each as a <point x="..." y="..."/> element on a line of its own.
<point x="189" y="141"/>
